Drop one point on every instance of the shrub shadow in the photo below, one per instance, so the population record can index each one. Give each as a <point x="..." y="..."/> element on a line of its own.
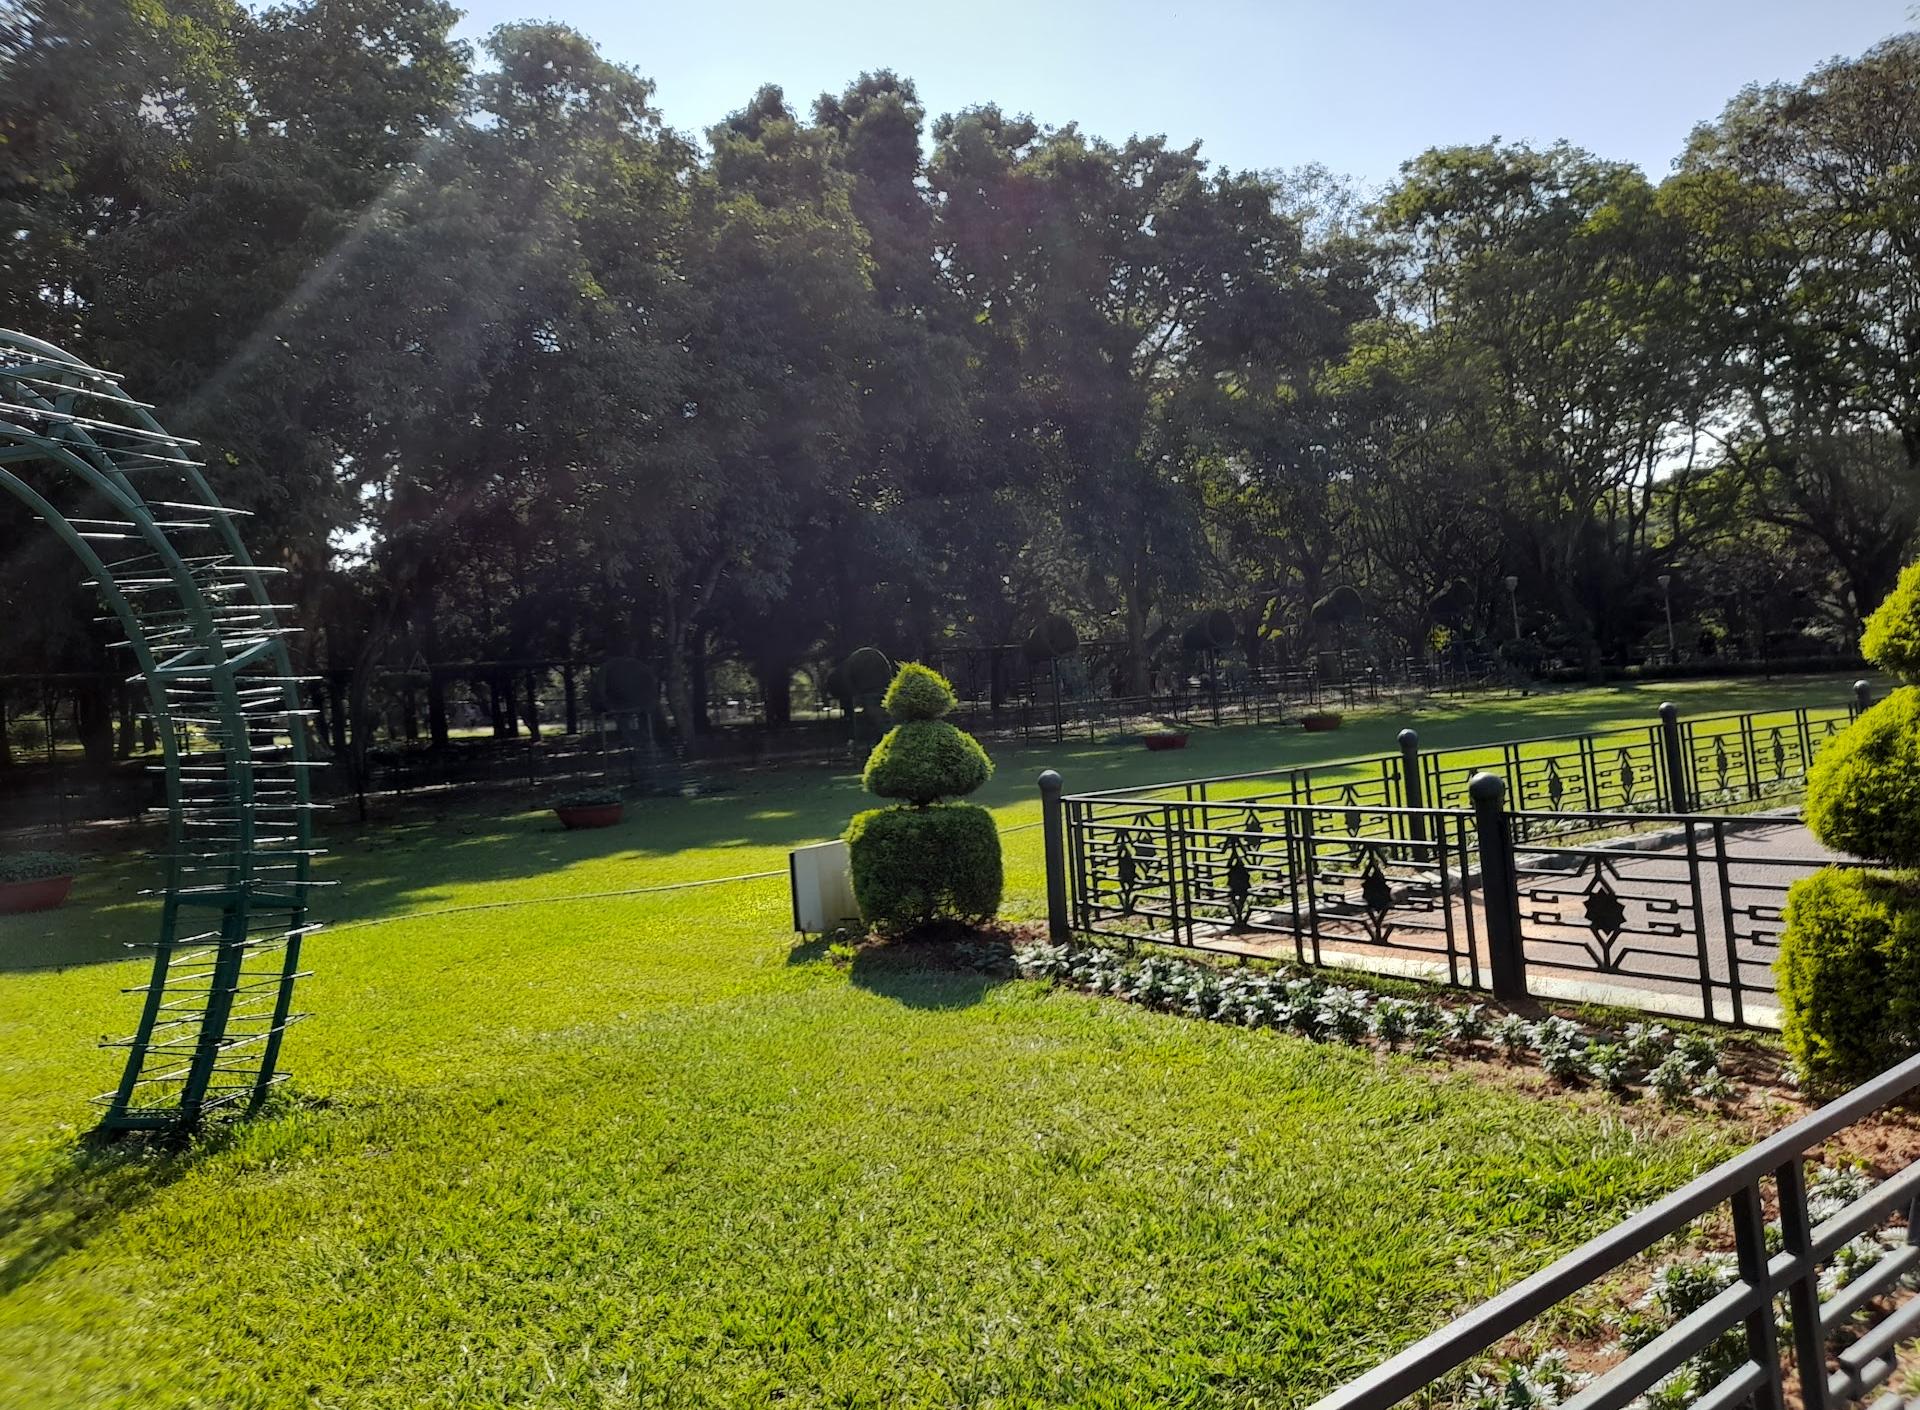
<point x="944" y="966"/>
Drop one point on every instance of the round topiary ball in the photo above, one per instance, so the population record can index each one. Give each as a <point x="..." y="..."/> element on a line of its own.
<point x="1863" y="792"/>
<point x="918" y="693"/>
<point x="923" y="761"/>
<point x="1891" y="639"/>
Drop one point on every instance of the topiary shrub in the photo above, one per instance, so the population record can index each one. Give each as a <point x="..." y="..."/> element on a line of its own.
<point x="1891" y="638"/>
<point x="1863" y="791"/>
<point x="1849" y="963"/>
<point x="923" y="761"/>
<point x="925" y="858"/>
<point x="911" y="865"/>
<point x="918" y="693"/>
<point x="1849" y="973"/>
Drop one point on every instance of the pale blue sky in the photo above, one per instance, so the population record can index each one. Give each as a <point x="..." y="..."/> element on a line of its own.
<point x="1359" y="86"/>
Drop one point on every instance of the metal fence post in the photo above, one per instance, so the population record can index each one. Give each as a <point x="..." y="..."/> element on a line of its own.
<point x="1053" y="830"/>
<point x="1410" y="784"/>
<point x="1677" y="800"/>
<point x="1499" y="888"/>
<point x="1862" y="698"/>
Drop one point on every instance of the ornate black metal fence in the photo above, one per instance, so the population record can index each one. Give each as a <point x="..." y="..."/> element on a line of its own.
<point x="1595" y="887"/>
<point x="1833" y="1346"/>
<point x="1278" y="879"/>
<point x="1692" y="906"/>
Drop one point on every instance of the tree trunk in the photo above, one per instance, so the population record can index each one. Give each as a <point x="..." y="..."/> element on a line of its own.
<point x="573" y="703"/>
<point x="776" y="692"/>
<point x="359" y="689"/>
<point x="509" y="707"/>
<point x="337" y="691"/>
<point x="702" y="721"/>
<point x="533" y="704"/>
<point x="1136" y="639"/>
<point x="124" y="749"/>
<point x="680" y="693"/>
<point x="93" y="722"/>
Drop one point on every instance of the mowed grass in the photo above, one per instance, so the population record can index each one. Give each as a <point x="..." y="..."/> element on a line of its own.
<point x="652" y="1150"/>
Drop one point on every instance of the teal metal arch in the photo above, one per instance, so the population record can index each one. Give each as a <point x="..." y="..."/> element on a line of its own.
<point x="202" y="630"/>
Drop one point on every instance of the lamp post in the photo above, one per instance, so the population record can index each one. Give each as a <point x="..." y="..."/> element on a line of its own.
<point x="1513" y="600"/>
<point x="1666" y="591"/>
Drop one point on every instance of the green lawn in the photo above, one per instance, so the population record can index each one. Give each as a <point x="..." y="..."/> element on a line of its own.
<point x="651" y="1151"/>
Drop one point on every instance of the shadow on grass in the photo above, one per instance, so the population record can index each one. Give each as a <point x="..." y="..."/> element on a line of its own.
<point x="92" y="1184"/>
<point x="948" y="966"/>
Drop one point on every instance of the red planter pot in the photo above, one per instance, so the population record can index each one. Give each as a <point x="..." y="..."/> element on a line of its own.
<point x="41" y="894"/>
<point x="1319" y="724"/>
<point x="595" y="815"/>
<point x="1159" y="743"/>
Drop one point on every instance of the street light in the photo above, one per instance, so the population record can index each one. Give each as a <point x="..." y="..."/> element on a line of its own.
<point x="1666" y="591"/>
<point x="1513" y="598"/>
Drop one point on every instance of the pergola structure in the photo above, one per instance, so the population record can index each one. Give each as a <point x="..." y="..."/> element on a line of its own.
<point x="163" y="554"/>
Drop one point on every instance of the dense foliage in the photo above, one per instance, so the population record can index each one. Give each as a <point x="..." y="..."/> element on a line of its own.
<point x="1891" y="639"/>
<point x="1849" y="972"/>
<point x="913" y="865"/>
<point x="923" y="761"/>
<point x="1849" y="963"/>
<point x="512" y="371"/>
<point x="33" y="866"/>
<point x="1863" y="791"/>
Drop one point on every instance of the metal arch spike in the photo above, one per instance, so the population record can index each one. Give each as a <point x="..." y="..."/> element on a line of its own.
<point x="210" y="606"/>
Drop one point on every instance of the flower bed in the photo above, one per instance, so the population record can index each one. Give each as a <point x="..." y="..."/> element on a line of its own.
<point x="1676" y="1068"/>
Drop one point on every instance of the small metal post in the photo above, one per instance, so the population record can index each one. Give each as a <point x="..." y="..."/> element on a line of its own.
<point x="1053" y="832"/>
<point x="1862" y="698"/>
<point x="1499" y="888"/>
<point x="1410" y="783"/>
<point x="1677" y="800"/>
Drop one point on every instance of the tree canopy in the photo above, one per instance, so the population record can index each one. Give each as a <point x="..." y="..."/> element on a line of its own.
<point x="511" y="369"/>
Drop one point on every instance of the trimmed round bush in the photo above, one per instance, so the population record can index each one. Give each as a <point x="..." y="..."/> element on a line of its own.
<point x="1863" y="792"/>
<point x="924" y="761"/>
<point x="1891" y="638"/>
<point x="913" y="864"/>
<point x="918" y="693"/>
<point x="1849" y="974"/>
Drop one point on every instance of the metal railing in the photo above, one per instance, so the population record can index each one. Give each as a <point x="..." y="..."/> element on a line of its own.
<point x="1829" y="1357"/>
<point x="1671" y="765"/>
<point x="1592" y="878"/>
<point x="1696" y="905"/>
<point x="1277" y="879"/>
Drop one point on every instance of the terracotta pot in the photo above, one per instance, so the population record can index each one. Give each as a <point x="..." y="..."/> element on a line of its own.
<point x="1160" y="742"/>
<point x="1319" y="724"/>
<point x="41" y="894"/>
<point x="590" y="815"/>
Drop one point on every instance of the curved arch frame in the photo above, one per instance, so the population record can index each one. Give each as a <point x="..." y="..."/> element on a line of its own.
<point x="205" y="638"/>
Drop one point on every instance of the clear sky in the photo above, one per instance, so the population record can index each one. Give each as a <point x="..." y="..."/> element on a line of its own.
<point x="1358" y="86"/>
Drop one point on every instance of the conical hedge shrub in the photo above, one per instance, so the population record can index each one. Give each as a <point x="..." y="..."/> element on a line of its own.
<point x="928" y="856"/>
